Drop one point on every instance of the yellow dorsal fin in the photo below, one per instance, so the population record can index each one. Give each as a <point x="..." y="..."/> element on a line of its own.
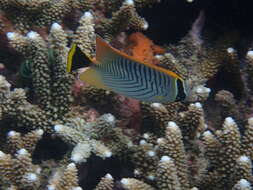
<point x="92" y="77"/>
<point x="106" y="53"/>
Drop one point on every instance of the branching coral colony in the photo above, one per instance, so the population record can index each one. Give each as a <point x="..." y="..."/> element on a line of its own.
<point x="178" y="147"/>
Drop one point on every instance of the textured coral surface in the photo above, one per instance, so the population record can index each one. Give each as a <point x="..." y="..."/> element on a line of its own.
<point x="58" y="133"/>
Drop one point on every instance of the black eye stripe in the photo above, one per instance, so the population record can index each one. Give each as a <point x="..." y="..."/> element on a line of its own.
<point x="180" y="90"/>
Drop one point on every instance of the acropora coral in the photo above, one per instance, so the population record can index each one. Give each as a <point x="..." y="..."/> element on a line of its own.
<point x="58" y="133"/>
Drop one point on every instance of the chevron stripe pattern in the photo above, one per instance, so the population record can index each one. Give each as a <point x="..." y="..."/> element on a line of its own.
<point x="138" y="81"/>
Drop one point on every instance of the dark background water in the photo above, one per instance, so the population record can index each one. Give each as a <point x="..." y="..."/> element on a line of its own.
<point x="171" y="19"/>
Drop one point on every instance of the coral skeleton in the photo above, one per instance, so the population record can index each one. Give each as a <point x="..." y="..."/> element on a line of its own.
<point x="106" y="183"/>
<point x="18" y="170"/>
<point x="57" y="133"/>
<point x="15" y="141"/>
<point x="51" y="87"/>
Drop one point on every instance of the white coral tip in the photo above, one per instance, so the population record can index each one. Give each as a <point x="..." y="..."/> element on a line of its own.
<point x="198" y="105"/>
<point x="160" y="140"/>
<point x="51" y="187"/>
<point x="151" y="153"/>
<point x="108" y="176"/>
<point x="229" y="121"/>
<point x="159" y="57"/>
<point x="129" y="2"/>
<point x="230" y="50"/>
<point x="32" y="35"/>
<point x="207" y="134"/>
<point x="172" y="124"/>
<point x="22" y="151"/>
<point x="107" y="154"/>
<point x="244" y="183"/>
<point x="243" y="159"/>
<point x="199" y="90"/>
<point x="71" y="166"/>
<point x="136" y="172"/>
<point x="76" y="157"/>
<point x="11" y="133"/>
<point x="39" y="132"/>
<point x="109" y="118"/>
<point x="142" y="142"/>
<point x="146" y="136"/>
<point x="207" y="90"/>
<point x="145" y="26"/>
<point x="58" y="128"/>
<point x="10" y="35"/>
<point x="250" y="121"/>
<point x="165" y="159"/>
<point x="2" y="154"/>
<point x="56" y="26"/>
<point x="250" y="53"/>
<point x="155" y="105"/>
<point x="31" y="177"/>
<point x="88" y="14"/>
<point x="77" y="188"/>
<point x="151" y="177"/>
<point x="124" y="181"/>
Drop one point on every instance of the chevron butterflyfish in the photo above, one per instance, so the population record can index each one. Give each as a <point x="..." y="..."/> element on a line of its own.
<point x="116" y="71"/>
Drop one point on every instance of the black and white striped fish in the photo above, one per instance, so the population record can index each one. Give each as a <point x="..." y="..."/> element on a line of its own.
<point x="116" y="71"/>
